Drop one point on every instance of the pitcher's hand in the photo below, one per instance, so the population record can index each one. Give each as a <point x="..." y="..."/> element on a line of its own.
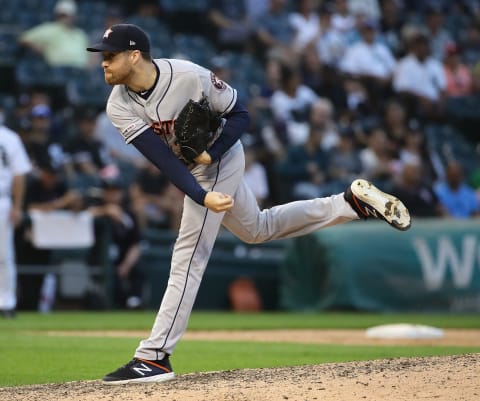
<point x="218" y="202"/>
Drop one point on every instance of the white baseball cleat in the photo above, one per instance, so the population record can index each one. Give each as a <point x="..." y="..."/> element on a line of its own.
<point x="369" y="202"/>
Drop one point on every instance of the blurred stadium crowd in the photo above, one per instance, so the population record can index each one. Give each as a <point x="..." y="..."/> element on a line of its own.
<point x="384" y="89"/>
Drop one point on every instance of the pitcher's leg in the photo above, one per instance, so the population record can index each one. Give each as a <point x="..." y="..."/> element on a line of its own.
<point x="292" y="219"/>
<point x="191" y="252"/>
<point x="198" y="231"/>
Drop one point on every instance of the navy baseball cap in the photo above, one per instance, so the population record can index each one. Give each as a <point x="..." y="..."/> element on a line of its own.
<point x="121" y="37"/>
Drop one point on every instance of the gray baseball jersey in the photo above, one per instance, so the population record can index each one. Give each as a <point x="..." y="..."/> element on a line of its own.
<point x="180" y="81"/>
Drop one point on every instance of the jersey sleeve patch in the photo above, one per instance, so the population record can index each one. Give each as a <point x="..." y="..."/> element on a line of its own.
<point x="129" y="130"/>
<point x="217" y="83"/>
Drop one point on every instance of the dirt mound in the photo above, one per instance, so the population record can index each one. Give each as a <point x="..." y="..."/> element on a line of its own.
<point x="452" y="378"/>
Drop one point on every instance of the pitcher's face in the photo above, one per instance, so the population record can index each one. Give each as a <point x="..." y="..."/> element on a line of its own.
<point x="117" y="67"/>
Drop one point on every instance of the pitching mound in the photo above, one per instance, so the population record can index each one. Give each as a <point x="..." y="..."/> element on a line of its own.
<point x="452" y="378"/>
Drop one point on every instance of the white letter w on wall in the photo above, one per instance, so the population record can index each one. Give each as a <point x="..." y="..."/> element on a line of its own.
<point x="434" y="262"/>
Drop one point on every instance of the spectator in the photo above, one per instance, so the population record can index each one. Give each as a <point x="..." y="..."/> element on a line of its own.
<point x="321" y="116"/>
<point x="127" y="157"/>
<point x="343" y="21"/>
<point x="312" y="71"/>
<point x="344" y="163"/>
<point x="457" y="74"/>
<point x="378" y="162"/>
<point x="231" y="23"/>
<point x="438" y="36"/>
<point x="125" y="244"/>
<point x="48" y="190"/>
<point x="457" y="197"/>
<point x="330" y="43"/>
<point x="60" y="42"/>
<point x="87" y="155"/>
<point x="420" y="79"/>
<point x="391" y="23"/>
<point x="272" y="83"/>
<point x="292" y="101"/>
<point x="274" y="32"/>
<point x="418" y="196"/>
<point x="19" y="119"/>
<point x="305" y="166"/>
<point x="470" y="44"/>
<point x="305" y="23"/>
<point x="256" y="175"/>
<point x="38" y="139"/>
<point x="155" y="201"/>
<point x="395" y="122"/>
<point x="369" y="60"/>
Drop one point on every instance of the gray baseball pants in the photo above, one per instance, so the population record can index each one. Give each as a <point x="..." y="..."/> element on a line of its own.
<point x="199" y="229"/>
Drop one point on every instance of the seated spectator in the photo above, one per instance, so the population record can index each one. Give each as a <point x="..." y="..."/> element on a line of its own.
<point x="344" y="164"/>
<point x="125" y="244"/>
<point x="343" y="21"/>
<point x="60" y="42"/>
<point x="290" y="104"/>
<point x="305" y="166"/>
<point x="274" y="32"/>
<point x="330" y="43"/>
<point x="272" y="82"/>
<point x="255" y="175"/>
<point x="155" y="201"/>
<point x="457" y="74"/>
<point x="48" y="190"/>
<point x="420" y="79"/>
<point x="438" y="36"/>
<point x="369" y="58"/>
<point x="232" y="26"/>
<point x="417" y="195"/>
<point x="470" y="44"/>
<point x="378" y="162"/>
<point x="87" y="155"/>
<point x="391" y="23"/>
<point x="118" y="150"/>
<point x="395" y="122"/>
<point x="305" y="23"/>
<point x="413" y="149"/>
<point x="312" y="71"/>
<point x="38" y="138"/>
<point x="370" y="62"/>
<point x="321" y="116"/>
<point x="457" y="197"/>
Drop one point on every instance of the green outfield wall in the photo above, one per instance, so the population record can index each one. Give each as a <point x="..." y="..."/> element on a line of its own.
<point x="434" y="266"/>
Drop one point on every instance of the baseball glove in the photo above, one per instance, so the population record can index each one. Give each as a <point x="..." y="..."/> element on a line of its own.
<point x="195" y="127"/>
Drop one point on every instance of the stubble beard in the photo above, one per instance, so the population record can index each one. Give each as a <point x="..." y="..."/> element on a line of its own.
<point x="121" y="77"/>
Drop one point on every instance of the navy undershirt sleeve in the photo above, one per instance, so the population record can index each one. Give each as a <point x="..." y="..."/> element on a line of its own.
<point x="155" y="150"/>
<point x="237" y="123"/>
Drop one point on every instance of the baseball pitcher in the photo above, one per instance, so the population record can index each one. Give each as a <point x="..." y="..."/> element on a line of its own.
<point x="188" y="123"/>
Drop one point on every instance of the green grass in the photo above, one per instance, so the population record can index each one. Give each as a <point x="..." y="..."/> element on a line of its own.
<point x="28" y="357"/>
<point x="230" y="321"/>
